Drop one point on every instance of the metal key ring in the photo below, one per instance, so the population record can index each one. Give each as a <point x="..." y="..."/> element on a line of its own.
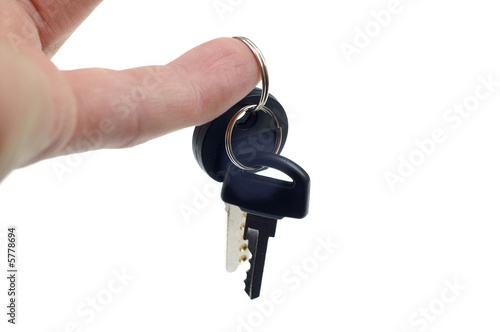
<point x="229" y="135"/>
<point x="259" y="107"/>
<point x="263" y="69"/>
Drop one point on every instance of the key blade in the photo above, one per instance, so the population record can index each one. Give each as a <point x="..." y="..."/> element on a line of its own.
<point x="253" y="281"/>
<point x="257" y="231"/>
<point x="236" y="247"/>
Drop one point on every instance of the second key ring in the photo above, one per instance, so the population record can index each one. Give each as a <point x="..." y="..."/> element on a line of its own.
<point x="229" y="132"/>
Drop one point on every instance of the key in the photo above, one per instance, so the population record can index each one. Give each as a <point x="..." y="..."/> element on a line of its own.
<point x="253" y="203"/>
<point x="265" y="200"/>
<point x="254" y="132"/>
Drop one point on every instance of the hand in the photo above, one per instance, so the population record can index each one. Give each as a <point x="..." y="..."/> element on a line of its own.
<point x="45" y="112"/>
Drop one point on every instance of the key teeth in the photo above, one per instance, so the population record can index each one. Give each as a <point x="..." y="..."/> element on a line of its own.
<point x="253" y="292"/>
<point x="252" y="237"/>
<point x="248" y="285"/>
<point x="236" y="254"/>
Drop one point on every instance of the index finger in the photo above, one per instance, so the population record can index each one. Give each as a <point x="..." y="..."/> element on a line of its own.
<point x="126" y="108"/>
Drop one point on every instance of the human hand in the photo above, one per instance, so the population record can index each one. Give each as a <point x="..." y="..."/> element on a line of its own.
<point x="45" y="112"/>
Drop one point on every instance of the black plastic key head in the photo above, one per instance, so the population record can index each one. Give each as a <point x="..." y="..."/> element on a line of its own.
<point x="253" y="133"/>
<point x="265" y="196"/>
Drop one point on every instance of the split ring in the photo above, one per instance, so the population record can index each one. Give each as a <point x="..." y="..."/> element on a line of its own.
<point x="229" y="135"/>
<point x="254" y="108"/>
<point x="263" y="69"/>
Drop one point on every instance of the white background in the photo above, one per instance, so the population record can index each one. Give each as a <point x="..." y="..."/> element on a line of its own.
<point x="349" y="124"/>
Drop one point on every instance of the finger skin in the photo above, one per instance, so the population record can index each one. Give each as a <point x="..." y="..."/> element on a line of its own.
<point x="37" y="107"/>
<point x="56" y="20"/>
<point x="46" y="113"/>
<point x="133" y="106"/>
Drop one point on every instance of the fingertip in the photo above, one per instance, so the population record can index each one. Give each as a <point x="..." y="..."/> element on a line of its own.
<point x="223" y="71"/>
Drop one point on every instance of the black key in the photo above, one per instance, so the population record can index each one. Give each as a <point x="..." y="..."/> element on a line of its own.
<point x="253" y="203"/>
<point x="265" y="200"/>
<point x="256" y="131"/>
<point x="257" y="231"/>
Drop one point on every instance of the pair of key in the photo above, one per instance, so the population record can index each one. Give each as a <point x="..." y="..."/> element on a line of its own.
<point x="232" y="149"/>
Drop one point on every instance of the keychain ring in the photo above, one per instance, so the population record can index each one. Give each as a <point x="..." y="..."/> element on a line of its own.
<point x="259" y="107"/>
<point x="229" y="135"/>
<point x="263" y="70"/>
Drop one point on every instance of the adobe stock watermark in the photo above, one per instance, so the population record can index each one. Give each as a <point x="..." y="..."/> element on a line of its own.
<point x="293" y="278"/>
<point x="200" y="200"/>
<point x="222" y="7"/>
<point x="423" y="317"/>
<point x="363" y="36"/>
<point x="122" y="108"/>
<point x="454" y="118"/>
<point x="94" y="305"/>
